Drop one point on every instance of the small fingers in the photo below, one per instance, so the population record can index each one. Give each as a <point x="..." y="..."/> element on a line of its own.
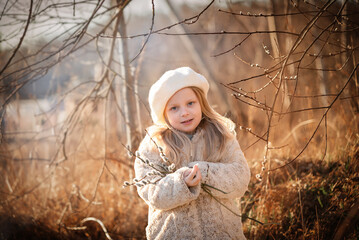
<point x="199" y="175"/>
<point x="187" y="172"/>
<point x="191" y="183"/>
<point x="197" y="178"/>
<point x="193" y="172"/>
<point x="194" y="177"/>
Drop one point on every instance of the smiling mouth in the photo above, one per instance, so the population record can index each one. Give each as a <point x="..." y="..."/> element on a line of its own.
<point x="187" y="121"/>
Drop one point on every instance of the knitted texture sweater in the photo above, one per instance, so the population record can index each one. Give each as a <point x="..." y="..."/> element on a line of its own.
<point x="177" y="211"/>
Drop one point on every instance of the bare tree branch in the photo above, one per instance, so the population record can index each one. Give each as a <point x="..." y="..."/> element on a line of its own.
<point x="320" y="121"/>
<point x="21" y="39"/>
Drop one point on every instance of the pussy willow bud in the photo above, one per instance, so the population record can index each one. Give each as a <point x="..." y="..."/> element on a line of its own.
<point x="172" y="166"/>
<point x="129" y="153"/>
<point x="138" y="154"/>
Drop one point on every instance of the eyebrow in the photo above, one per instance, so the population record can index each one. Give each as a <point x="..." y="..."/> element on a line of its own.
<point x="171" y="105"/>
<point x="191" y="99"/>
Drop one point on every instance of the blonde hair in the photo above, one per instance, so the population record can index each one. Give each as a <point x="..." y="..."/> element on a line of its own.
<point x="216" y="128"/>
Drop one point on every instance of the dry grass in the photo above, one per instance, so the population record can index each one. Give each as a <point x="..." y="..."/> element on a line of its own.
<point x="48" y="198"/>
<point x="46" y="194"/>
<point x="63" y="180"/>
<point x="313" y="198"/>
<point x="309" y="199"/>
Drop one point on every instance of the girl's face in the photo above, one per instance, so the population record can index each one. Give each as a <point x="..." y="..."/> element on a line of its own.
<point x="183" y="110"/>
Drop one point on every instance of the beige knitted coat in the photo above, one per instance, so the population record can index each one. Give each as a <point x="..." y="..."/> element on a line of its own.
<point x="179" y="212"/>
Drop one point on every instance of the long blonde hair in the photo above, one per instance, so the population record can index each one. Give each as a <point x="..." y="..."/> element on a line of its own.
<point x="216" y="128"/>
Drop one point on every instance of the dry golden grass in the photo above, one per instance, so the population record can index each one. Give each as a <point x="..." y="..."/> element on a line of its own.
<point x="312" y="198"/>
<point x="309" y="199"/>
<point x="62" y="179"/>
<point x="55" y="195"/>
<point x="46" y="194"/>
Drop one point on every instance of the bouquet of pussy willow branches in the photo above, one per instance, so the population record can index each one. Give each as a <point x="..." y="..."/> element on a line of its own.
<point x="166" y="167"/>
<point x="160" y="170"/>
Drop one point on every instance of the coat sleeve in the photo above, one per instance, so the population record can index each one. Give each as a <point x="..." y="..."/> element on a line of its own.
<point x="231" y="174"/>
<point x="168" y="192"/>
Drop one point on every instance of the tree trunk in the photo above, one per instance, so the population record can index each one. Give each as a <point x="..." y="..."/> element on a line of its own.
<point x="128" y="90"/>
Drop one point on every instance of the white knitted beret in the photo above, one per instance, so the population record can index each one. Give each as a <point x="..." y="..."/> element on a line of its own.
<point x="168" y="84"/>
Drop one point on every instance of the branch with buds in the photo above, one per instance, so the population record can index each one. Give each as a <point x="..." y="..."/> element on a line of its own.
<point x="160" y="170"/>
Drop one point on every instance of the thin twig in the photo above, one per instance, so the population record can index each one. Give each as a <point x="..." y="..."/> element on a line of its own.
<point x="237" y="45"/>
<point x="299" y="40"/>
<point x="301" y="212"/>
<point x="248" y="14"/>
<point x="21" y="39"/>
<point x="323" y="117"/>
<point x="236" y="214"/>
<point x="92" y="219"/>
<point x="149" y="34"/>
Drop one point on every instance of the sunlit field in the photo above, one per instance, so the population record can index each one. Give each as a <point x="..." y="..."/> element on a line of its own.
<point x="81" y="195"/>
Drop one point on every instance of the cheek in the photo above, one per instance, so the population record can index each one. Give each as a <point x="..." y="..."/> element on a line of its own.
<point x="171" y="117"/>
<point x="199" y="110"/>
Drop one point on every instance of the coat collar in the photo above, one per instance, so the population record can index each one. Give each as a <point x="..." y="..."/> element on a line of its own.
<point x="197" y="135"/>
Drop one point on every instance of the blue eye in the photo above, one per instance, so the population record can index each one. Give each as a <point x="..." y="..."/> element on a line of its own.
<point x="173" y="108"/>
<point x="190" y="103"/>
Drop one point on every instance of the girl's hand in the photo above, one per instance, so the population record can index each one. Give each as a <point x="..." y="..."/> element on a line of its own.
<point x="192" y="177"/>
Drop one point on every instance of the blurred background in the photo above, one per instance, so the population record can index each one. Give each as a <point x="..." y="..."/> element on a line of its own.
<point x="74" y="81"/>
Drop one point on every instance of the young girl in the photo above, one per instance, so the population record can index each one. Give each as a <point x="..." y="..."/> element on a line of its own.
<point x="200" y="147"/>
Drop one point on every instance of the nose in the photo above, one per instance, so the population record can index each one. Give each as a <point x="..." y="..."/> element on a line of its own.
<point x="184" y="112"/>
